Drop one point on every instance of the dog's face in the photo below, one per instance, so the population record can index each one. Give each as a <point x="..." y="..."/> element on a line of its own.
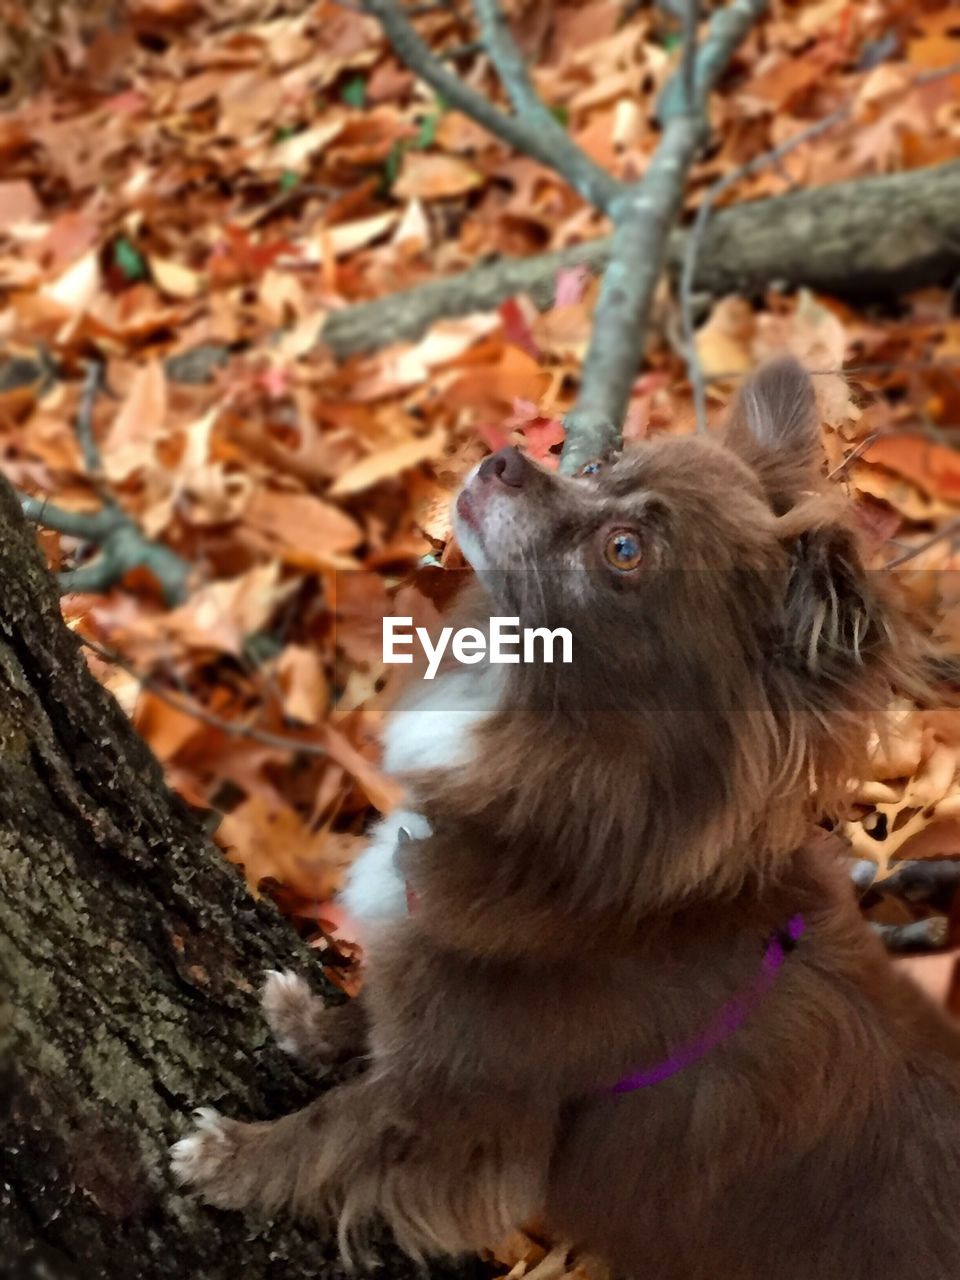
<point x="660" y="537"/>
<point x="679" y="503"/>
<point x="686" y="561"/>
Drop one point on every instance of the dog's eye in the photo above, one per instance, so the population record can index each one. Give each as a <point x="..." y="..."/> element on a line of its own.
<point x="622" y="550"/>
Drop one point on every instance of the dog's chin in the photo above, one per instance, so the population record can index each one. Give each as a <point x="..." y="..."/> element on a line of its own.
<point x="468" y="526"/>
<point x="471" y="544"/>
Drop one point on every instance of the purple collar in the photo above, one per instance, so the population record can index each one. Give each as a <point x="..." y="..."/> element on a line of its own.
<point x="729" y="1018"/>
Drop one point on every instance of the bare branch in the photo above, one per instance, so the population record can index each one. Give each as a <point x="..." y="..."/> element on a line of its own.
<point x="642" y="224"/>
<point x="90" y="526"/>
<point x="566" y="156"/>
<point x="511" y="68"/>
<point x="122" y="550"/>
<point x="688" y="67"/>
<point x="593" y="183"/>
<point x="643" y="218"/>
<point x="123" y="546"/>
<point x="728" y="28"/>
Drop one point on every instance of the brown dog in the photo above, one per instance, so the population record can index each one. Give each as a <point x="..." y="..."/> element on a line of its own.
<point x="629" y="994"/>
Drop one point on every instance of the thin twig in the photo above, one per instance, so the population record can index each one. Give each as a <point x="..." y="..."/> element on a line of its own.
<point x="199" y="712"/>
<point x="122" y="544"/>
<point x="855" y="453"/>
<point x="950" y="530"/>
<point x="593" y="183"/>
<point x="497" y="39"/>
<point x="92" y="383"/>
<point x="697" y="232"/>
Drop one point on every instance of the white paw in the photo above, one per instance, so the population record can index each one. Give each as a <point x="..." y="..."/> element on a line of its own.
<point x="198" y="1158"/>
<point x="281" y="986"/>
<point x="287" y="1004"/>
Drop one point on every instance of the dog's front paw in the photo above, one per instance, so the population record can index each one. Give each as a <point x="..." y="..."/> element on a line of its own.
<point x="206" y="1160"/>
<point x="300" y="1021"/>
<point x="290" y="1008"/>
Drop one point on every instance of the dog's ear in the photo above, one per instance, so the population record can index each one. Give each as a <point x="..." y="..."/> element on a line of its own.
<point x="773" y="427"/>
<point x="835" y="618"/>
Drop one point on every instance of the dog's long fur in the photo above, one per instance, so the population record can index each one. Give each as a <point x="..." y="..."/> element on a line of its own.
<point x="602" y="876"/>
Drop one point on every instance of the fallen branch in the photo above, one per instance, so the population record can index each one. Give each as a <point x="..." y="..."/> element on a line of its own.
<point x="871" y="238"/>
<point x="122" y="545"/>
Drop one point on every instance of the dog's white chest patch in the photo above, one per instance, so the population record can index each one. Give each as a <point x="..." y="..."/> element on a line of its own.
<point x="434" y="732"/>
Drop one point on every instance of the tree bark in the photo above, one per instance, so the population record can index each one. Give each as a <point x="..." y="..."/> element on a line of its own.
<point x="130" y="957"/>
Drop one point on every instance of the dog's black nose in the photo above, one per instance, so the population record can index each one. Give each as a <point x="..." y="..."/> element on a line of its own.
<point x="509" y="466"/>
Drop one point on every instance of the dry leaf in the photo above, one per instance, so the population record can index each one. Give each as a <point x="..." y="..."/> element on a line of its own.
<point x="301" y="529"/>
<point x="425" y="176"/>
<point x="386" y="463"/>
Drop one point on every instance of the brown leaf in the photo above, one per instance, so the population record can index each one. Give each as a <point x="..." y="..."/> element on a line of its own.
<point x="383" y="464"/>
<point x="425" y="176"/>
<point x="301" y="529"/>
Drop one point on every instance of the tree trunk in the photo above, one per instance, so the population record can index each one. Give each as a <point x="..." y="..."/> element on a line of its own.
<point x="130" y="956"/>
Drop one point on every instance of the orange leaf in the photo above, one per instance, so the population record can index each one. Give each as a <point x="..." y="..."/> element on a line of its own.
<point x="383" y="793"/>
<point x="18" y="203"/>
<point x="386" y="463"/>
<point x="935" y="468"/>
<point x="431" y="177"/>
<point x="304" y="684"/>
<point x="130" y="443"/>
<point x="165" y="728"/>
<point x="301" y="529"/>
<point x="222" y="614"/>
<point x="270" y="840"/>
